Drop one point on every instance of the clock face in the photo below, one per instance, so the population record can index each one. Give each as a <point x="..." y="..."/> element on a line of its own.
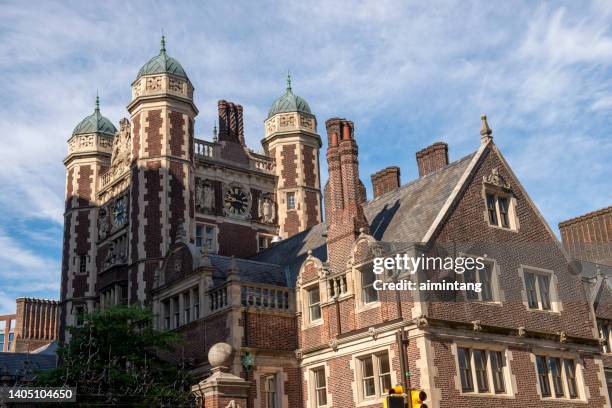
<point x="120" y="212"/>
<point x="236" y="201"/>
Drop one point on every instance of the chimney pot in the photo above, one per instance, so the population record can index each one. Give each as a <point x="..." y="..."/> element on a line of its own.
<point x="385" y="180"/>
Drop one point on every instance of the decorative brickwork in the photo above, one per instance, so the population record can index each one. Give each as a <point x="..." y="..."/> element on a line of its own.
<point x="589" y="237"/>
<point x="153" y="128"/>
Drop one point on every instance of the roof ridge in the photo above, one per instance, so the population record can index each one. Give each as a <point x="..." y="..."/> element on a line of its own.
<point x="418" y="179"/>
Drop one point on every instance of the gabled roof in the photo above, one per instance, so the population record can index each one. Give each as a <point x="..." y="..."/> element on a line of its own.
<point x="405" y="214"/>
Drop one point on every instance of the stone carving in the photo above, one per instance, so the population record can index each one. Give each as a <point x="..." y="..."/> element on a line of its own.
<point x="266" y="209"/>
<point x="106" y="142"/>
<point x="333" y="344"/>
<point x="154" y="84"/>
<point x="286" y="121"/>
<point x="521" y="332"/>
<point x="116" y="252"/>
<point x="175" y="85"/>
<point x="138" y="88"/>
<point x="562" y="337"/>
<point x="103" y="223"/>
<point x="306" y="122"/>
<point x="476" y="326"/>
<point x="496" y="179"/>
<point x="373" y="332"/>
<point x="233" y="404"/>
<point x="271" y="126"/>
<point x="205" y="196"/>
<point x="422" y="322"/>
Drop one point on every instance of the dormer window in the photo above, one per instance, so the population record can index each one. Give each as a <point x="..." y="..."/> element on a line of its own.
<point x="499" y="202"/>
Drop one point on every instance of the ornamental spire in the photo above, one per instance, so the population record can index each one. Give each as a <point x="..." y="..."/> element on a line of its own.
<point x="485" y="130"/>
<point x="162" y="49"/>
<point x="288" y="81"/>
<point x="97" y="109"/>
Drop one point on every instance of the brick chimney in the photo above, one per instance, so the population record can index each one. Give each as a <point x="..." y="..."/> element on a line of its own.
<point x="385" y="180"/>
<point x="432" y="158"/>
<point x="231" y="126"/>
<point x="344" y="192"/>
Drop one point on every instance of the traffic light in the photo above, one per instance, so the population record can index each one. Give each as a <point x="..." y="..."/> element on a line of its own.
<point x="417" y="397"/>
<point x="395" y="401"/>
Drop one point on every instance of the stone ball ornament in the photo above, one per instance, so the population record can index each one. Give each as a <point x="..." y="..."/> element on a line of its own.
<point x="220" y="355"/>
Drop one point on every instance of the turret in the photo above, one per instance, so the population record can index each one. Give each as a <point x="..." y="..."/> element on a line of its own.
<point x="291" y="139"/>
<point x="161" y="196"/>
<point x="89" y="154"/>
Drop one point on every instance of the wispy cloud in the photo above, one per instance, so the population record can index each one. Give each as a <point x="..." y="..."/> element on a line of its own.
<point x="407" y="73"/>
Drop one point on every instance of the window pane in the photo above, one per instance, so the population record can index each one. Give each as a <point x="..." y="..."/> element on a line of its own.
<point x="367" y="281"/>
<point x="555" y="370"/>
<point x="503" y="212"/>
<point x="491" y="209"/>
<point x="532" y="297"/>
<point x="384" y="372"/>
<point x="199" y="235"/>
<point x="470" y="277"/>
<point x="497" y="368"/>
<point x="368" y="387"/>
<point x="314" y="304"/>
<point x="570" y="374"/>
<point x="544" y="286"/>
<point x="368" y="367"/>
<point x="465" y="370"/>
<point x="290" y="201"/>
<point x="485" y="278"/>
<point x="543" y="376"/>
<point x="321" y="398"/>
<point x="480" y="366"/>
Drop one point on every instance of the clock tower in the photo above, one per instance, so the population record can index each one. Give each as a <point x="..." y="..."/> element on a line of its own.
<point x="162" y="183"/>
<point x="291" y="139"/>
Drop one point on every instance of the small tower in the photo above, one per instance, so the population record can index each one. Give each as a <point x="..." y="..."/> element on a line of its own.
<point x="161" y="187"/>
<point x="291" y="139"/>
<point x="89" y="154"/>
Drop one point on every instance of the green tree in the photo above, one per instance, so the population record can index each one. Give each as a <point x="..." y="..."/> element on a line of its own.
<point x="115" y="359"/>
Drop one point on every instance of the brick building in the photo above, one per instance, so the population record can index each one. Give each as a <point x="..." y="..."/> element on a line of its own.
<point x="33" y="326"/>
<point x="588" y="238"/>
<point x="227" y="245"/>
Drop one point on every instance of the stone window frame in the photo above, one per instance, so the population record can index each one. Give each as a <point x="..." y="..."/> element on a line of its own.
<point x="305" y="297"/>
<point x="263" y="235"/>
<point x="281" y="377"/>
<point x="215" y="239"/>
<point x="313" y="401"/>
<point x="362" y="400"/>
<point x="358" y="271"/>
<point x="191" y="287"/>
<point x="497" y="192"/>
<point x="496" y="291"/>
<point x="294" y="195"/>
<point x="556" y="306"/>
<point x="509" y="378"/>
<point x="578" y="374"/>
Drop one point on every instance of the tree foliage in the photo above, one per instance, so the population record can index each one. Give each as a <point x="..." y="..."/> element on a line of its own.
<point x="113" y="359"/>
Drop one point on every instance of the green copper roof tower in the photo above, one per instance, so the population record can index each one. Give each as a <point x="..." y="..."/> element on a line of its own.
<point x="289" y="102"/>
<point x="162" y="64"/>
<point x="95" y="123"/>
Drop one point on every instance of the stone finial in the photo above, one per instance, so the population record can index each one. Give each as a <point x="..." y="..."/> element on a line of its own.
<point x="162" y="48"/>
<point x="288" y="82"/>
<point x="220" y="357"/>
<point x="485" y="130"/>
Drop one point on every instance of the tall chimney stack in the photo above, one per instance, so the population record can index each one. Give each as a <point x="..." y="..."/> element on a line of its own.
<point x="346" y="216"/>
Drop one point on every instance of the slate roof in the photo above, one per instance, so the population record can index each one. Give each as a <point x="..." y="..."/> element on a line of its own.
<point x="402" y="215"/>
<point x="21" y="364"/>
<point x="249" y="270"/>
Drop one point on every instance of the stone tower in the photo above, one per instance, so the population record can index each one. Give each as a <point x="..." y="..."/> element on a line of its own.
<point x="162" y="181"/>
<point x="89" y="154"/>
<point x="291" y="139"/>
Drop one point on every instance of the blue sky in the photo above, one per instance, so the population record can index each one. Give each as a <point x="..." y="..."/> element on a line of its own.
<point x="407" y="74"/>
